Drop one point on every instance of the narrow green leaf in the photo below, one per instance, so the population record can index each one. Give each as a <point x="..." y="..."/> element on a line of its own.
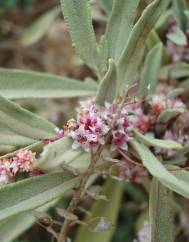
<point x="163" y="21"/>
<point x="180" y="7"/>
<point x="180" y="174"/>
<point x="168" y="114"/>
<point x="21" y="126"/>
<point x="176" y="92"/>
<point x="132" y="55"/>
<point x="108" y="210"/>
<point x="150" y="72"/>
<point x="159" y="171"/>
<point x="12" y="227"/>
<point x="78" y="17"/>
<point x="152" y="142"/>
<point x="106" y="4"/>
<point x="184" y="150"/>
<point x="178" y="37"/>
<point x="153" y="39"/>
<point x="103" y="53"/>
<point x="184" y="85"/>
<point x="107" y="87"/>
<point x="175" y="71"/>
<point x="161" y="213"/>
<point x="30" y="84"/>
<point x="53" y="154"/>
<point x="119" y="26"/>
<point x="39" y="28"/>
<point x="31" y="193"/>
<point x="60" y="152"/>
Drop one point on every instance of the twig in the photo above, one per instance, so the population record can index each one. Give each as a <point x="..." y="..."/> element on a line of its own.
<point x="76" y="198"/>
<point x="130" y="160"/>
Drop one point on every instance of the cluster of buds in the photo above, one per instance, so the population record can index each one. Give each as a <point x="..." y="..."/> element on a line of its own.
<point x="177" y="52"/>
<point x="93" y="123"/>
<point x="20" y="163"/>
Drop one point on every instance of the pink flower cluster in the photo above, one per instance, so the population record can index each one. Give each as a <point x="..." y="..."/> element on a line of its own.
<point x="159" y="103"/>
<point x="21" y="162"/>
<point x="93" y="123"/>
<point x="90" y="128"/>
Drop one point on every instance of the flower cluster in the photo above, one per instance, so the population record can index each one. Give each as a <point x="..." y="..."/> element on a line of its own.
<point x="93" y="123"/>
<point x="159" y="103"/>
<point x="90" y="128"/>
<point x="21" y="162"/>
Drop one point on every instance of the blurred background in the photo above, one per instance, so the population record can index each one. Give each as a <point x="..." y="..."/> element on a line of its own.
<point x="34" y="36"/>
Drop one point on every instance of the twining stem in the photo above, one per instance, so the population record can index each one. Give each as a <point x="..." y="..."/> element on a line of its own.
<point x="78" y="194"/>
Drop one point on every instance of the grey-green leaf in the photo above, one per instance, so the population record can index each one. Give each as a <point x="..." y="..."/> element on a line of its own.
<point x="31" y="193"/>
<point x="180" y="7"/>
<point x="150" y="72"/>
<point x="168" y="114"/>
<point x="108" y="210"/>
<point x="132" y="55"/>
<point x="119" y="26"/>
<point x="108" y="86"/>
<point x="175" y="71"/>
<point x="60" y="153"/>
<point x="152" y="142"/>
<point x="106" y="4"/>
<point x="39" y="28"/>
<point x="12" y="227"/>
<point x="161" y="213"/>
<point x="78" y="17"/>
<point x="30" y="84"/>
<point x="156" y="168"/>
<point x="177" y="36"/>
<point x="21" y="126"/>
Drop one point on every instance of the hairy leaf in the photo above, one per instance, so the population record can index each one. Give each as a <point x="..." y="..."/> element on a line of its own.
<point x="12" y="227"/>
<point x="175" y="71"/>
<point x="31" y="193"/>
<point x="156" y="168"/>
<point x="152" y="142"/>
<point x="180" y="7"/>
<point x="60" y="153"/>
<point x="150" y="72"/>
<point x="78" y="17"/>
<point x="108" y="210"/>
<point x="107" y="87"/>
<point x="132" y="55"/>
<point x="21" y="126"/>
<point x="39" y="28"/>
<point x="30" y="84"/>
<point x="168" y="114"/>
<point x="119" y="26"/>
<point x="153" y="39"/>
<point x="178" y="37"/>
<point x="161" y="213"/>
<point x="107" y="5"/>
